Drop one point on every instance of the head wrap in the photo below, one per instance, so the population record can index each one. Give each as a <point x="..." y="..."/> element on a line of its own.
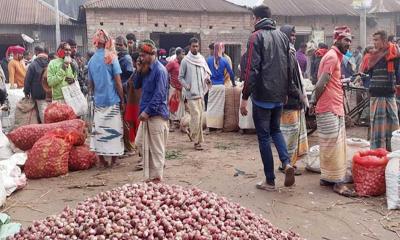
<point x="15" y="50"/>
<point x="218" y="51"/>
<point x="148" y="46"/>
<point x="101" y="37"/>
<point x="342" y="32"/>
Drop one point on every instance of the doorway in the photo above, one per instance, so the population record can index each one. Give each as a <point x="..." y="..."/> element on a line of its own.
<point x="172" y="40"/>
<point x="234" y="51"/>
<point x="7" y="40"/>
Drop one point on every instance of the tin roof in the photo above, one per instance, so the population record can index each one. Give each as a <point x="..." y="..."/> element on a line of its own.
<point x="169" y="5"/>
<point x="29" y="12"/>
<point x="327" y="7"/>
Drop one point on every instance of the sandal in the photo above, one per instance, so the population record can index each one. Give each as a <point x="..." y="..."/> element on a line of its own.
<point x="198" y="147"/>
<point x="344" y="190"/>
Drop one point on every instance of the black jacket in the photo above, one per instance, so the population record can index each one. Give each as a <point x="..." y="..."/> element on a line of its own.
<point x="267" y="69"/>
<point x="33" y="81"/>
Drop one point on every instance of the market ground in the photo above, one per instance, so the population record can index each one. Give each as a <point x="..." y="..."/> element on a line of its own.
<point x="312" y="211"/>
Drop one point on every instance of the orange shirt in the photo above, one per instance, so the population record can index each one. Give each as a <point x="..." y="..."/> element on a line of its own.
<point x="332" y="99"/>
<point x="16" y="73"/>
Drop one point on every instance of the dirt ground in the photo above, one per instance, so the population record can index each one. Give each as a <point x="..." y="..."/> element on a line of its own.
<point x="312" y="211"/>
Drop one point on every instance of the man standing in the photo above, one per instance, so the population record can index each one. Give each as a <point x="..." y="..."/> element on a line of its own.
<point x="216" y="96"/>
<point x="293" y="120"/>
<point x="357" y="58"/>
<point x="267" y="82"/>
<point x="175" y="90"/>
<point x="76" y="66"/>
<point x="16" y="68"/>
<point x="194" y="76"/>
<point x="33" y="81"/>
<point x="61" y="72"/>
<point x="316" y="60"/>
<point x="125" y="61"/>
<point x="105" y="82"/>
<point x="131" y="38"/>
<point x="329" y="97"/>
<point x="153" y="130"/>
<point x="302" y="58"/>
<point x="383" y="114"/>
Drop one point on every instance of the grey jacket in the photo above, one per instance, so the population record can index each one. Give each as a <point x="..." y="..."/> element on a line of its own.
<point x="193" y="79"/>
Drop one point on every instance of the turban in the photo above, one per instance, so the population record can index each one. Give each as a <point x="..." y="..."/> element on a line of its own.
<point x="15" y="50"/>
<point x="147" y="46"/>
<point x="342" y="32"/>
<point x="162" y="52"/>
<point x="102" y="37"/>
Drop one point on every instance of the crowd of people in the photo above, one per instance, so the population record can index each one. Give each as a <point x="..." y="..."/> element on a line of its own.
<point x="132" y="84"/>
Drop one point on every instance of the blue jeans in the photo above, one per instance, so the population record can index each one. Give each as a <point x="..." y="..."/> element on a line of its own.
<point x="267" y="123"/>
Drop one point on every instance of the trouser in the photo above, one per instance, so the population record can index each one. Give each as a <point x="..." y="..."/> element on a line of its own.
<point x="152" y="140"/>
<point x="196" y="120"/>
<point x="267" y="123"/>
<point x="41" y="107"/>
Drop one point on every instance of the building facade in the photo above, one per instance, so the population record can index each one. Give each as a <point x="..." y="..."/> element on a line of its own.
<point x="173" y="24"/>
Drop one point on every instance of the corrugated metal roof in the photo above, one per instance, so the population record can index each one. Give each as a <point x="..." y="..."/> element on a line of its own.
<point x="169" y="5"/>
<point x="310" y="7"/>
<point x="327" y="7"/>
<point x="29" y="12"/>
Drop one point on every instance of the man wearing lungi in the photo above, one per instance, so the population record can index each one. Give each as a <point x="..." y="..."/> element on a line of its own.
<point x="104" y="76"/>
<point x="218" y="65"/>
<point x="382" y="69"/>
<point x="153" y="129"/>
<point x="267" y="81"/>
<point x="329" y="97"/>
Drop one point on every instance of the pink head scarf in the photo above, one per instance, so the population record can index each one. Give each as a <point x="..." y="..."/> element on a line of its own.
<point x="102" y="37"/>
<point x="218" y="52"/>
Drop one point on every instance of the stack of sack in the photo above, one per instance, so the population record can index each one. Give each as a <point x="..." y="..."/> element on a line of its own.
<point x="55" y="147"/>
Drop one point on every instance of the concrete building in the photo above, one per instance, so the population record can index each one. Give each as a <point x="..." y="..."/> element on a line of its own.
<point x="36" y="19"/>
<point x="172" y="23"/>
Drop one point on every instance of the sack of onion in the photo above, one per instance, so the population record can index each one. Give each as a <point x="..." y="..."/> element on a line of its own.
<point x="150" y="211"/>
<point x="369" y="172"/>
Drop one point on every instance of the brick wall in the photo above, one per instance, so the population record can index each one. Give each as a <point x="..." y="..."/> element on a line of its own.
<point x="226" y="27"/>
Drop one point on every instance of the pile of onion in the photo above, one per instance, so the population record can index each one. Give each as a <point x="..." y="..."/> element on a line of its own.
<point x="155" y="211"/>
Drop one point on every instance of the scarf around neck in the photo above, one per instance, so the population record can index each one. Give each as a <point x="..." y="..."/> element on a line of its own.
<point x="198" y="60"/>
<point x="389" y="53"/>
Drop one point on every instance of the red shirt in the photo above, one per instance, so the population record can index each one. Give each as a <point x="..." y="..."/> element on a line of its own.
<point x="173" y="71"/>
<point x="332" y="98"/>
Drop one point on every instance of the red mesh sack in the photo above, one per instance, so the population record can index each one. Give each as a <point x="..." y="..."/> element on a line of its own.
<point x="75" y="137"/>
<point x="369" y="172"/>
<point x="48" y="158"/>
<point x="25" y="137"/>
<point x="58" y="112"/>
<point x="81" y="158"/>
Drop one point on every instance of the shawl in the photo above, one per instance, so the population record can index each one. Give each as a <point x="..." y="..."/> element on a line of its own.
<point x="198" y="60"/>
<point x="390" y="53"/>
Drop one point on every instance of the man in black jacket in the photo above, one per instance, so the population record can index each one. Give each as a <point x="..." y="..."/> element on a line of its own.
<point x="33" y="87"/>
<point x="267" y="74"/>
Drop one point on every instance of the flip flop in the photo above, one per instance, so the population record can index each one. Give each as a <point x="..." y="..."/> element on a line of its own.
<point x="344" y="190"/>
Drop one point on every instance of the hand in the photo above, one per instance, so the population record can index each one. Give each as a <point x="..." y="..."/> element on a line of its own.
<point x="27" y="95"/>
<point x="12" y="86"/>
<point x="243" y="107"/>
<point x="70" y="80"/>
<point x="65" y="66"/>
<point x="311" y="110"/>
<point x="123" y="107"/>
<point x="144" y="117"/>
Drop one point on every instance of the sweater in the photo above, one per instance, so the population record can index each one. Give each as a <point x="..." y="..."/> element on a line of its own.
<point x="382" y="82"/>
<point x="192" y="78"/>
<point x="16" y="73"/>
<point x="56" y="77"/>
